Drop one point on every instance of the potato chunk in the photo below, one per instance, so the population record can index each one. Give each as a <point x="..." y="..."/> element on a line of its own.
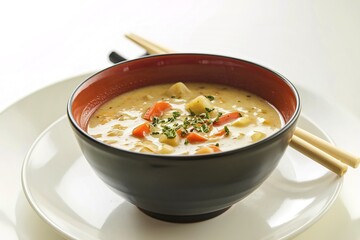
<point x="145" y="150"/>
<point x="204" y="150"/>
<point x="242" y="122"/>
<point x="170" y="141"/>
<point x="147" y="146"/>
<point x="178" y="90"/>
<point x="199" y="105"/>
<point x="257" y="136"/>
<point x="166" y="149"/>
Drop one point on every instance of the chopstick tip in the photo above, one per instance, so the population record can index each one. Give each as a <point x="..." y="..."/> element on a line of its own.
<point x="356" y="163"/>
<point x="343" y="171"/>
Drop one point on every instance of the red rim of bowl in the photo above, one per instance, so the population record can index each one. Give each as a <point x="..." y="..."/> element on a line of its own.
<point x="110" y="148"/>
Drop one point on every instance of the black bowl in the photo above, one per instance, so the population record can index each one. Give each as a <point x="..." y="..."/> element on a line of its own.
<point x="184" y="188"/>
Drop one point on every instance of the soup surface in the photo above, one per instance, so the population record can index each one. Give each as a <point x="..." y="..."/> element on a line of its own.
<point x="196" y="118"/>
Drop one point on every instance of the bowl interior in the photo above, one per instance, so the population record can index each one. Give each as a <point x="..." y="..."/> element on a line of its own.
<point x="171" y="68"/>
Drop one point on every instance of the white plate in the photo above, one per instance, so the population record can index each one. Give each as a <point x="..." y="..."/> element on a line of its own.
<point x="63" y="189"/>
<point x="22" y="122"/>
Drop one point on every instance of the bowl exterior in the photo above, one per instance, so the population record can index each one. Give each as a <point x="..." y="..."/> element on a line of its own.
<point x="184" y="185"/>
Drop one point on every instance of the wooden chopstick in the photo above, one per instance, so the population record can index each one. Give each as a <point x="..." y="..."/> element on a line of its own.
<point x="308" y="144"/>
<point x="150" y="47"/>
<point x="318" y="155"/>
<point x="325" y="146"/>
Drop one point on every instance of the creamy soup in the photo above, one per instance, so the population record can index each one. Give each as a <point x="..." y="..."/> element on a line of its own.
<point x="196" y="118"/>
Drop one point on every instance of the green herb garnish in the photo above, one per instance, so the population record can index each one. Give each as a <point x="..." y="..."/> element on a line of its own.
<point x="217" y="117"/>
<point x="211" y="98"/>
<point x="169" y="126"/>
<point x="176" y="114"/>
<point x="205" y="128"/>
<point x="170" y="119"/>
<point x="169" y="132"/>
<point x="227" y="131"/>
<point x="155" y="121"/>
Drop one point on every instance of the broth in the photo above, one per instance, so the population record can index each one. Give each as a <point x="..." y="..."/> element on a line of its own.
<point x="196" y="118"/>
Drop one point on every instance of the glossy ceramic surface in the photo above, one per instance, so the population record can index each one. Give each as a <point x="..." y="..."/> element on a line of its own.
<point x="193" y="187"/>
<point x="63" y="189"/>
<point x="19" y="221"/>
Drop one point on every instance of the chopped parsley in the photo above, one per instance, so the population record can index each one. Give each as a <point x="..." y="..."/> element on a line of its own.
<point x="176" y="114"/>
<point x="169" y="132"/>
<point x="191" y="113"/>
<point x="205" y="128"/>
<point x="218" y="116"/>
<point x="227" y="131"/>
<point x="211" y="98"/>
<point x="156" y="121"/>
<point x="170" y="126"/>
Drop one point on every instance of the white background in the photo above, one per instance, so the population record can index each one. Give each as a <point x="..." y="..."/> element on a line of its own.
<point x="315" y="44"/>
<point x="312" y="43"/>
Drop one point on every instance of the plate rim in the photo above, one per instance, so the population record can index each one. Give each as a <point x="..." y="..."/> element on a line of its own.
<point x="26" y="190"/>
<point x="328" y="203"/>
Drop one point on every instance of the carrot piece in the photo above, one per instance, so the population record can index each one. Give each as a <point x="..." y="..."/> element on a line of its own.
<point x="220" y="133"/>
<point x="181" y="133"/>
<point x="215" y="148"/>
<point x="156" y="110"/>
<point x="226" y="118"/>
<point x="195" y="138"/>
<point x="141" y="130"/>
<point x="225" y="131"/>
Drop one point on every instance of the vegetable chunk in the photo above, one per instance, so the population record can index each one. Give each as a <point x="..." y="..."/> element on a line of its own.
<point x="257" y="136"/>
<point x="178" y="90"/>
<point x="166" y="149"/>
<point x="198" y="105"/>
<point x="195" y="138"/>
<point x="242" y="122"/>
<point x="141" y="130"/>
<point x="208" y="149"/>
<point x="156" y="110"/>
<point x="173" y="141"/>
<point x="226" y="118"/>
